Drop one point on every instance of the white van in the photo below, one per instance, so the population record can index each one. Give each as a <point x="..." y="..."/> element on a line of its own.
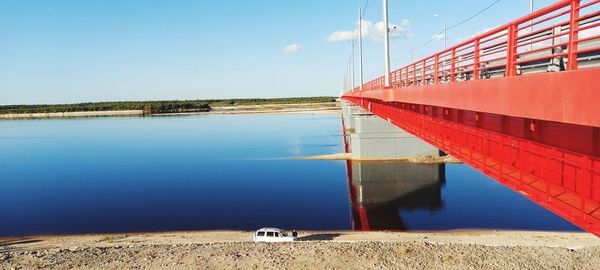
<point x="273" y="235"/>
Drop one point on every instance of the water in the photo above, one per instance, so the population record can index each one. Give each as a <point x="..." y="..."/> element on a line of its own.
<point x="132" y="174"/>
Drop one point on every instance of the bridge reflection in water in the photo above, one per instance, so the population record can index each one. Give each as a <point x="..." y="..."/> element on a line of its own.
<point x="399" y="195"/>
<point x="379" y="190"/>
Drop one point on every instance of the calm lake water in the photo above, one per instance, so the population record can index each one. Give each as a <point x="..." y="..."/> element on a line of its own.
<point x="132" y="174"/>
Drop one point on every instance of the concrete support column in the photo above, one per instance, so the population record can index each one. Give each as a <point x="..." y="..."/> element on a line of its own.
<point x="371" y="137"/>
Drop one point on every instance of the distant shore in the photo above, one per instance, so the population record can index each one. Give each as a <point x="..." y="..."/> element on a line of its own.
<point x="468" y="249"/>
<point x="312" y="108"/>
<point x="70" y="114"/>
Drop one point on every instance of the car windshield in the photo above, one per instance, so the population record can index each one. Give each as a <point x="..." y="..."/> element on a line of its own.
<point x="260" y="234"/>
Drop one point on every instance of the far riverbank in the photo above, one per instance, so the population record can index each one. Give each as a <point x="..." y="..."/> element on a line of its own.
<point x="327" y="107"/>
<point x="474" y="249"/>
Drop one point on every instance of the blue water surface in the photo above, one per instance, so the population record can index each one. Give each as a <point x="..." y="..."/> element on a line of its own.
<point x="133" y="174"/>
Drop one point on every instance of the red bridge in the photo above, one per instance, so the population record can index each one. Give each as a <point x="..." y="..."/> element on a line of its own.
<point x="520" y="103"/>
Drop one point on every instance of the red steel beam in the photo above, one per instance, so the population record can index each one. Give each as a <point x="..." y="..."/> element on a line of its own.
<point x="567" y="97"/>
<point x="564" y="181"/>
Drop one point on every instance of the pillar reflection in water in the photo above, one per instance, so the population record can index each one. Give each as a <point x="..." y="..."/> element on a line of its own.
<point x="379" y="190"/>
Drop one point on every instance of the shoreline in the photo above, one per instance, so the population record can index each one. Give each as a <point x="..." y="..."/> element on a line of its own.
<point x="448" y="159"/>
<point x="486" y="237"/>
<point x="11" y="116"/>
<point x="310" y="108"/>
<point x="480" y="249"/>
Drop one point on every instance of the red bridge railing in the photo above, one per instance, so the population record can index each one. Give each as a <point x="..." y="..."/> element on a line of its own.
<point x="564" y="36"/>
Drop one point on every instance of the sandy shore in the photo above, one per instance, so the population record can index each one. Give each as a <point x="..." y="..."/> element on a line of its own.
<point x="417" y="159"/>
<point x="316" y="250"/>
<point x="70" y="114"/>
<point x="310" y="108"/>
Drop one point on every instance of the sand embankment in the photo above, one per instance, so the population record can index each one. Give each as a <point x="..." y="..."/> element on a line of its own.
<point x="417" y="159"/>
<point x="310" y="108"/>
<point x="307" y="108"/>
<point x="70" y="114"/>
<point x="317" y="250"/>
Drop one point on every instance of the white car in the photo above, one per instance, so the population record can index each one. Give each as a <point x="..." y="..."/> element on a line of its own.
<point x="273" y="235"/>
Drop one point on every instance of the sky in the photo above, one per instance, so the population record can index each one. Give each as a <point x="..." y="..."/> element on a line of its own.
<point x="69" y="51"/>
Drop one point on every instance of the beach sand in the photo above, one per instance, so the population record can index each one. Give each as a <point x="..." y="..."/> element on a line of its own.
<point x="469" y="249"/>
<point x="306" y="108"/>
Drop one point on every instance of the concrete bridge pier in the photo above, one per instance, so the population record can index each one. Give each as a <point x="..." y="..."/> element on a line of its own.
<point x="369" y="137"/>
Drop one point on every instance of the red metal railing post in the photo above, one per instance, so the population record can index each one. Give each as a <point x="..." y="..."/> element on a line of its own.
<point x="511" y="53"/>
<point x="453" y="66"/>
<point x="424" y="73"/>
<point x="436" y="78"/>
<point x="573" y="35"/>
<point x="476" y="61"/>
<point x="414" y="74"/>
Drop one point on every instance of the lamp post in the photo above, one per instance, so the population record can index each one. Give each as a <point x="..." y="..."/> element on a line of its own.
<point x="386" y="41"/>
<point x="360" y="48"/>
<point x="444" y="31"/>
<point x="531" y="22"/>
<point x="412" y="53"/>
<point x="352" y="67"/>
<point x="445" y="35"/>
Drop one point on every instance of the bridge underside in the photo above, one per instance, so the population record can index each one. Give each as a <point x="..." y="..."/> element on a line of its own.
<point x="519" y="103"/>
<point x="554" y="164"/>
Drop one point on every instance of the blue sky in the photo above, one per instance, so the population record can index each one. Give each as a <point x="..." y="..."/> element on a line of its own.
<point x="65" y="51"/>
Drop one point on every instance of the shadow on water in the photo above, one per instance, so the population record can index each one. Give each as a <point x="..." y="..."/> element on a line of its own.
<point x="319" y="237"/>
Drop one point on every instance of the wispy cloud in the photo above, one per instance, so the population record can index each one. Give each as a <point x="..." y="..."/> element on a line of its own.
<point x="477" y="33"/>
<point x="375" y="31"/>
<point x="401" y="30"/>
<point x="292" y="48"/>
<point x="347" y="35"/>
<point x="438" y="37"/>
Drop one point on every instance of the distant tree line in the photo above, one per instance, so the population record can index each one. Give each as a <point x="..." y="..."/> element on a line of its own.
<point x="150" y="107"/>
<point x="267" y="101"/>
<point x="146" y="106"/>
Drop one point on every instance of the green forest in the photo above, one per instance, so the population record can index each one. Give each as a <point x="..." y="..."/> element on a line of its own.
<point x="150" y="107"/>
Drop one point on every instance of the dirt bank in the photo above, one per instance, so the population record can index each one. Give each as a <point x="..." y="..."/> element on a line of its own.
<point x="311" y="108"/>
<point x="317" y="250"/>
<point x="418" y="159"/>
<point x="70" y="114"/>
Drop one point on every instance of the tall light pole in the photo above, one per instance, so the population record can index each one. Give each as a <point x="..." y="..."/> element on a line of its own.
<point x="444" y="31"/>
<point x="345" y="81"/>
<point x="352" y="60"/>
<point x="386" y="41"/>
<point x="412" y="53"/>
<point x="531" y="22"/>
<point x="445" y="35"/>
<point x="350" y="71"/>
<point x="530" y="6"/>
<point x="360" y="47"/>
